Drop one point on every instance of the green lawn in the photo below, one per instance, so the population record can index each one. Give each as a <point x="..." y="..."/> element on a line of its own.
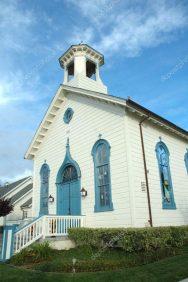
<point x="169" y="269"/>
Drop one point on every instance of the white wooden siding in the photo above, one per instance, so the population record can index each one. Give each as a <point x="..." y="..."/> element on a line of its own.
<point x="177" y="148"/>
<point x="91" y="118"/>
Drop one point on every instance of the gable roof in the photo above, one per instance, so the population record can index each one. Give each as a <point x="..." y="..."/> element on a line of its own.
<point x="27" y="204"/>
<point x="8" y="188"/>
<point x="60" y="98"/>
<point x="21" y="193"/>
<point x="151" y="114"/>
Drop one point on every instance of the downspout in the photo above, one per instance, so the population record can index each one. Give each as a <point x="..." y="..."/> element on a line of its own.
<point x="145" y="170"/>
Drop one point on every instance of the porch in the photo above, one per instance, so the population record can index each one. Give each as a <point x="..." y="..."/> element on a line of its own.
<point x="15" y="239"/>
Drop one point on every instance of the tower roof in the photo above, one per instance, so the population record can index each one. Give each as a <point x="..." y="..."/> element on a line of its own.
<point x="80" y="48"/>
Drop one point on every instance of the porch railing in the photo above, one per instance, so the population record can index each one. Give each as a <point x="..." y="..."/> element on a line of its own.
<point x="42" y="227"/>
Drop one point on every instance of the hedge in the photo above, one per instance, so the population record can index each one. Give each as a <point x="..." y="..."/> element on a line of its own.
<point x="131" y="239"/>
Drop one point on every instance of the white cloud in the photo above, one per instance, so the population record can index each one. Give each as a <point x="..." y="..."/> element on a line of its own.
<point x="132" y="28"/>
<point x="14" y="141"/>
<point x="17" y="87"/>
<point x="95" y="10"/>
<point x="86" y="35"/>
<point x="15" y="24"/>
<point x="25" y="173"/>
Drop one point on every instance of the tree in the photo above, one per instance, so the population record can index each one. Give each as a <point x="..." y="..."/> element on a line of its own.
<point x="5" y="207"/>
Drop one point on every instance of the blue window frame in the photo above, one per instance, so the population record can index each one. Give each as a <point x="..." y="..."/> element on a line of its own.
<point x="165" y="176"/>
<point x="44" y="189"/>
<point x="101" y="158"/>
<point x="68" y="115"/>
<point x="186" y="160"/>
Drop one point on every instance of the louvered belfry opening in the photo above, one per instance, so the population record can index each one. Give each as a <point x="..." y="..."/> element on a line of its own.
<point x="70" y="69"/>
<point x="91" y="70"/>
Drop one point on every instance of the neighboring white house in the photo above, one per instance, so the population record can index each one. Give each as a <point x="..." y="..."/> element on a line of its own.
<point x="20" y="193"/>
<point x="105" y="157"/>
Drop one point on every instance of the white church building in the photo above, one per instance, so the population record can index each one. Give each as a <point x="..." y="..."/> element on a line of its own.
<point x="105" y="160"/>
<point x="131" y="163"/>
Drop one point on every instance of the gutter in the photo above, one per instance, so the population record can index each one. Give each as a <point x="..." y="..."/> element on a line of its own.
<point x="145" y="170"/>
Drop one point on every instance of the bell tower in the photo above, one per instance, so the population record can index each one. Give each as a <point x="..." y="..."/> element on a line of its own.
<point x="81" y="64"/>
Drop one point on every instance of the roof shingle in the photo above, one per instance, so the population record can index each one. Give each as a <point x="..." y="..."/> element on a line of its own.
<point x="21" y="193"/>
<point x="7" y="188"/>
<point x="26" y="204"/>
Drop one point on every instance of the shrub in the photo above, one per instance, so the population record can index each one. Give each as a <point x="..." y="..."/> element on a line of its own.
<point x="41" y="251"/>
<point x="35" y="253"/>
<point x="21" y="257"/>
<point x="130" y="239"/>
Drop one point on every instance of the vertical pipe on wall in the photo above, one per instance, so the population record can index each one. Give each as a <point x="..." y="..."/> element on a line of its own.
<point x="145" y="169"/>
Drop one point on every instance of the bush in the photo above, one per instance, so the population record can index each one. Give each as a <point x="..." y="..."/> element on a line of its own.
<point x="131" y="239"/>
<point x="35" y="253"/>
<point x="5" y="207"/>
<point x="41" y="251"/>
<point x="20" y="257"/>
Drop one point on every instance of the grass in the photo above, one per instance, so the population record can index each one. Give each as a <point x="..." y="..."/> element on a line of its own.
<point x="169" y="269"/>
<point x="84" y="258"/>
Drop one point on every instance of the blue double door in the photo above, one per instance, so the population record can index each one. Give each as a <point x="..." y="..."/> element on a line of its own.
<point x="69" y="201"/>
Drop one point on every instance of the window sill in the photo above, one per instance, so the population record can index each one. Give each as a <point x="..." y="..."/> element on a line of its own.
<point x="104" y="209"/>
<point x="169" y="207"/>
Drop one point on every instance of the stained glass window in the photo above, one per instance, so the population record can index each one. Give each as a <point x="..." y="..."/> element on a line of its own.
<point x="186" y="160"/>
<point x="165" y="176"/>
<point x="44" y="189"/>
<point x="69" y="174"/>
<point x="101" y="156"/>
<point x="68" y="115"/>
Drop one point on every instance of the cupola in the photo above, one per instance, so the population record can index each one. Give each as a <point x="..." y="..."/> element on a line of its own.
<point x="81" y="64"/>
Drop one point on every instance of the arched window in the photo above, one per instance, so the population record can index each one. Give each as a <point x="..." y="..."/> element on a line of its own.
<point x="44" y="177"/>
<point x="101" y="158"/>
<point x="70" y="174"/>
<point x="186" y="160"/>
<point x="165" y="176"/>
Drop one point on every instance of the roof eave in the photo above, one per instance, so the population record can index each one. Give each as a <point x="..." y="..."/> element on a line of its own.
<point x="87" y="47"/>
<point x="44" y="126"/>
<point x="140" y="110"/>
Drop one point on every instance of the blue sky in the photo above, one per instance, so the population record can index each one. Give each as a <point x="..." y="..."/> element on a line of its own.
<point x="146" y="57"/>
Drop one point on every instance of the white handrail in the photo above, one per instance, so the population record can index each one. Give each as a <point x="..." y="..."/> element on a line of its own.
<point x="45" y="226"/>
<point x="28" y="234"/>
<point x="59" y="225"/>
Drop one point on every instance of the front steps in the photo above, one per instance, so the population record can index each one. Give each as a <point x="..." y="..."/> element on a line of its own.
<point x="59" y="243"/>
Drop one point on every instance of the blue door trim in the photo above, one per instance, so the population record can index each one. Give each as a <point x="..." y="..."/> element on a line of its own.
<point x="68" y="160"/>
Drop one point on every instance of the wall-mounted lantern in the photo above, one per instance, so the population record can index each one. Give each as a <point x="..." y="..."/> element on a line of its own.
<point x="51" y="199"/>
<point x="83" y="192"/>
